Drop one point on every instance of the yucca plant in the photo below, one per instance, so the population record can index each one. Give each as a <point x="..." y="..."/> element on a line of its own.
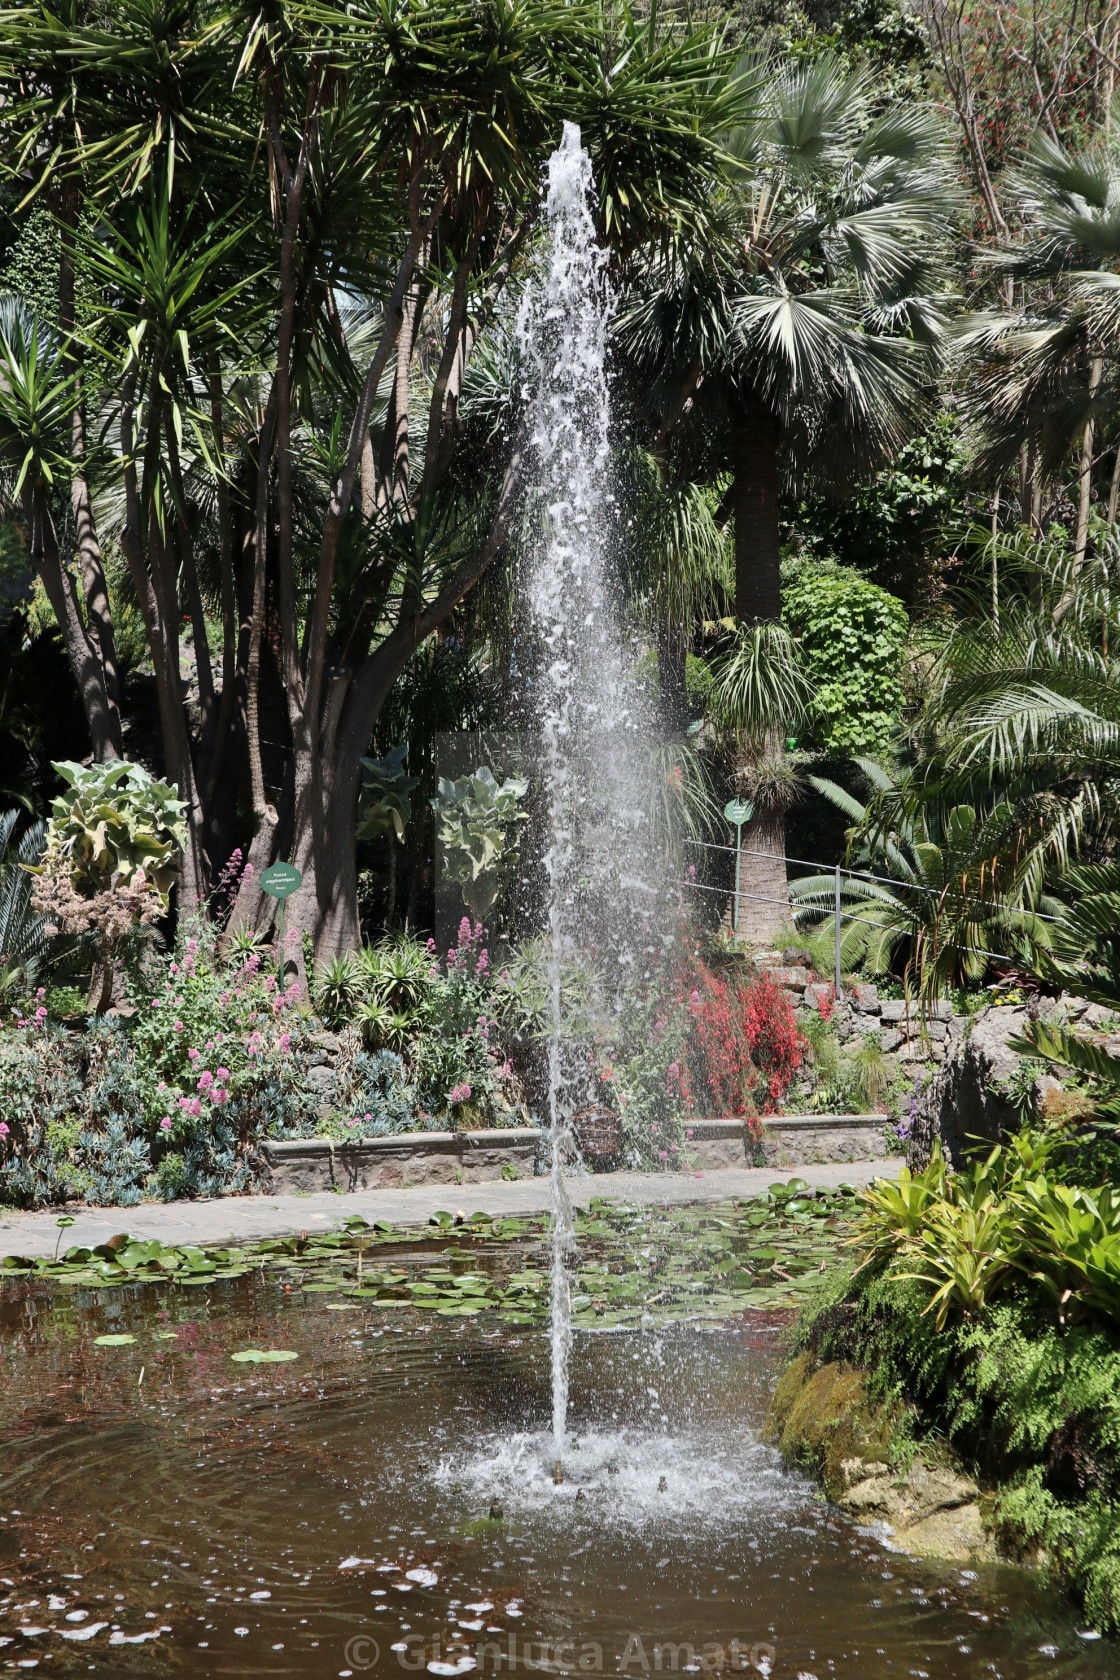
<point x="339" y="988"/>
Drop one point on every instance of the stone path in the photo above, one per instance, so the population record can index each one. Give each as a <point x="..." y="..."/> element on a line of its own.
<point x="249" y="1218"/>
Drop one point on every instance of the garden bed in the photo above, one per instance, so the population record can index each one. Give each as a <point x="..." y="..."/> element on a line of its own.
<point x="480" y="1157"/>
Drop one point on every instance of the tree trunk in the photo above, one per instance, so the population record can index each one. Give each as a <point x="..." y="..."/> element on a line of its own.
<point x="755" y="444"/>
<point x="764" y="915"/>
<point x="672" y="657"/>
<point x="88" y="671"/>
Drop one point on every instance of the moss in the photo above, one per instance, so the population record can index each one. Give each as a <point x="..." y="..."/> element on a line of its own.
<point x="820" y="1416"/>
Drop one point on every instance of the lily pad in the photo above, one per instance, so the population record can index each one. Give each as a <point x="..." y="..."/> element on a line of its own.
<point x="121" y="1340"/>
<point x="263" y="1356"/>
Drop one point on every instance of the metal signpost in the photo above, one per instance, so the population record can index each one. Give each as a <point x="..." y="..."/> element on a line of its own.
<point x="738" y="812"/>
<point x="280" y="881"/>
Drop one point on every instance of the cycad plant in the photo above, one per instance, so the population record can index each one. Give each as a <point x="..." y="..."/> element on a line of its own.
<point x="904" y="894"/>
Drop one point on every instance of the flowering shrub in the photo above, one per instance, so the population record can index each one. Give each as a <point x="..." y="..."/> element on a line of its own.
<point x="743" y="1046"/>
<point x="459" y="1063"/>
<point x="172" y="1103"/>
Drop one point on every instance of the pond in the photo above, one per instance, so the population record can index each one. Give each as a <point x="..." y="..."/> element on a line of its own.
<point x="382" y="1502"/>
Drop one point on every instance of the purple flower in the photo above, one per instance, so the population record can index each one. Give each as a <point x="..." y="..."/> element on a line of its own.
<point x="178" y="1026"/>
<point x="3" y="1129"/>
<point x="165" y="1123"/>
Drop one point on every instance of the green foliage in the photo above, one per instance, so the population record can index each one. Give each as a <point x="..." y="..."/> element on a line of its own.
<point x="477" y="826"/>
<point x="965" y="1237"/>
<point x="174" y="1102"/>
<point x="441" y="1025"/>
<point x="851" y="638"/>
<point x="385" y="804"/>
<point x="894" y="529"/>
<point x="1033" y="1405"/>
<point x="115" y="821"/>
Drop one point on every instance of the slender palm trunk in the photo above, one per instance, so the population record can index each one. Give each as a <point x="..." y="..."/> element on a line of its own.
<point x="764" y="895"/>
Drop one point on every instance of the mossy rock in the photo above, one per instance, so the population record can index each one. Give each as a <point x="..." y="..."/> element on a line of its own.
<point x="822" y="1418"/>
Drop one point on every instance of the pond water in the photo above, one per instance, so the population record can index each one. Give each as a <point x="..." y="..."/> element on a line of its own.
<point x="383" y="1502"/>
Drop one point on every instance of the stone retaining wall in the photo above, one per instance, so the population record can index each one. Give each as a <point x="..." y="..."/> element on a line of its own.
<point x="479" y="1157"/>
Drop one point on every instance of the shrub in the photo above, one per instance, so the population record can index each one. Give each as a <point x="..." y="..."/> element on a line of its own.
<point x="110" y="858"/>
<point x="174" y="1102"/>
<point x="743" y="1046"/>
<point x="1032" y="1406"/>
<point x="852" y="638"/>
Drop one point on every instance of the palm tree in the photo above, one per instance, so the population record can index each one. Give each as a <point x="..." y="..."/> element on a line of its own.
<point x="676" y="571"/>
<point x="1016" y="782"/>
<point x="1043" y="380"/>
<point x="800" y="339"/>
<point x="797" y="343"/>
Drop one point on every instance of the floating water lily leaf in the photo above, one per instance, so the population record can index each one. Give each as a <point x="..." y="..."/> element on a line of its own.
<point x="167" y="1336"/>
<point x="263" y="1356"/>
<point x="121" y="1340"/>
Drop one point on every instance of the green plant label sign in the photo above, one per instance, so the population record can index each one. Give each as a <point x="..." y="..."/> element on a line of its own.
<point x="738" y="811"/>
<point x="281" y="880"/>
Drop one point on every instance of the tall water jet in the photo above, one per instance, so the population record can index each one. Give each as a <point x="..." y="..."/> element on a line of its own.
<point x="599" y="884"/>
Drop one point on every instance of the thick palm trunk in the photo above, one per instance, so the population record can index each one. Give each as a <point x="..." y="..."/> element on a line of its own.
<point x="755" y="444"/>
<point x="764" y="915"/>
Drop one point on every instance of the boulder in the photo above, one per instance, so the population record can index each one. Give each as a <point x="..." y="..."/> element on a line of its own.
<point x="964" y="1103"/>
<point x="864" y="997"/>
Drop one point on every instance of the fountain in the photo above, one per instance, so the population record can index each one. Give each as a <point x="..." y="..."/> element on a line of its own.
<point x="600" y="881"/>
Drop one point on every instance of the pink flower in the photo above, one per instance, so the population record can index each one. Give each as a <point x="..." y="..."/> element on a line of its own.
<point x="688" y="1133"/>
<point x="3" y="1129"/>
<point x="209" y="1044"/>
<point x="196" y="1106"/>
<point x="664" y="1155"/>
<point x="178" y="1026"/>
<point x="654" y="1130"/>
<point x="184" y="1103"/>
<point x="165" y="1123"/>
<point x="192" y="1055"/>
<point x="205" y="1081"/>
<point x="162" y="1086"/>
<point x="285" y="1041"/>
<point x="222" y="1076"/>
<point x="369" y="1116"/>
<point x="227" y="997"/>
<point x="674" y="1068"/>
<point x="218" y="1095"/>
<point x="174" y="968"/>
<point x="192" y="944"/>
<point x="672" y="1149"/>
<point x="42" y="992"/>
<point x="40" y="1013"/>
